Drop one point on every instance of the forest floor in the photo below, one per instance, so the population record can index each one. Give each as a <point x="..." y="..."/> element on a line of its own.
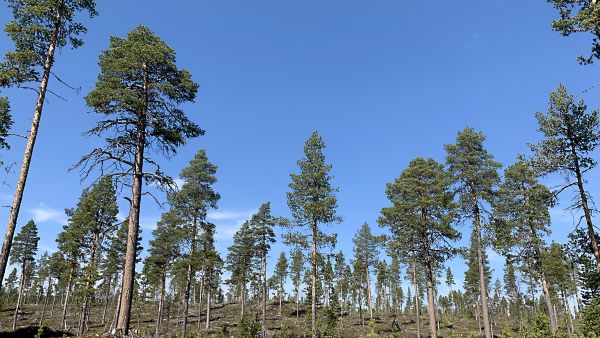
<point x="225" y="318"/>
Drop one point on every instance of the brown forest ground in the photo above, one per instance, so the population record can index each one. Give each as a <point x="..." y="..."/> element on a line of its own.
<point x="224" y="321"/>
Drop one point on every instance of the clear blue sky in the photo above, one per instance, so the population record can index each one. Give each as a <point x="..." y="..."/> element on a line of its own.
<point x="382" y="81"/>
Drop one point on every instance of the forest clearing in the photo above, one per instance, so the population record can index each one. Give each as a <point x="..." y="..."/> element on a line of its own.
<point x="377" y="222"/>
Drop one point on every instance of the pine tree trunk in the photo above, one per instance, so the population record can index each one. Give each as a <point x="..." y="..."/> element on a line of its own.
<point x="242" y="299"/>
<point x="106" y="301"/>
<point x="20" y="298"/>
<point x="568" y="314"/>
<point x="478" y="317"/>
<point x="541" y="268"/>
<point x="35" y="123"/>
<point x="63" y="323"/>
<point x="264" y="294"/>
<point x="208" y="299"/>
<point x="134" y="216"/>
<point x="430" y="297"/>
<point x="280" y="296"/>
<point x="360" y="310"/>
<point x="548" y="299"/>
<point x="369" y="301"/>
<point x="298" y="298"/>
<point x="200" y="298"/>
<point x="313" y="316"/>
<point x="190" y="273"/>
<point x="482" y="284"/>
<point x="48" y="291"/>
<point x="586" y="209"/>
<point x="161" y="302"/>
<point x="417" y="305"/>
<point x="53" y="303"/>
<point x="88" y="285"/>
<point x="113" y="325"/>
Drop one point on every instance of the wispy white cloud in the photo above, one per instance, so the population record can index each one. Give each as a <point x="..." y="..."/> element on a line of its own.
<point x="43" y="213"/>
<point x="229" y="221"/>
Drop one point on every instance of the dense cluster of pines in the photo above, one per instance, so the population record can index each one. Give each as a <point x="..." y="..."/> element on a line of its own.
<point x="99" y="276"/>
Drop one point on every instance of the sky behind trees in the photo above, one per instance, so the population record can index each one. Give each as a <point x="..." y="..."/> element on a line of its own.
<point x="382" y="82"/>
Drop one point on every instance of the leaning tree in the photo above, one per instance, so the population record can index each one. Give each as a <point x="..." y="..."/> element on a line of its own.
<point x="38" y="29"/>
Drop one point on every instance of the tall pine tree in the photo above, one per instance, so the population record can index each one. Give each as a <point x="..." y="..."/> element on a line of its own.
<point x="475" y="175"/>
<point x="139" y="91"/>
<point x="312" y="202"/>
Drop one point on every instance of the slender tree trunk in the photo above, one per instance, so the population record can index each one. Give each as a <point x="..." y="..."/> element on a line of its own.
<point x="568" y="313"/>
<point x="208" y="298"/>
<point x="161" y="303"/>
<point x="298" y="298"/>
<point x="586" y="209"/>
<point x="369" y="300"/>
<point x="482" y="282"/>
<point x="264" y="294"/>
<point x="430" y="297"/>
<point x="190" y="273"/>
<point x="477" y="315"/>
<point x="201" y="297"/>
<point x="134" y="216"/>
<point x="88" y="284"/>
<point x="242" y="299"/>
<point x="540" y="267"/>
<point x="577" y="304"/>
<point x="548" y="299"/>
<point x="417" y="305"/>
<point x="63" y="323"/>
<point x="48" y="291"/>
<point x="20" y="298"/>
<point x="360" y="310"/>
<point x="113" y="325"/>
<point x="53" y="303"/>
<point x="313" y="315"/>
<point x="35" y="123"/>
<point x="106" y="302"/>
<point x="280" y="296"/>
